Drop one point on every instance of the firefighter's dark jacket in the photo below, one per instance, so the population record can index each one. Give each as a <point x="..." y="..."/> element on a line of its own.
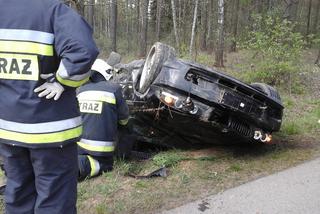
<point x="41" y="37"/>
<point x="103" y="109"/>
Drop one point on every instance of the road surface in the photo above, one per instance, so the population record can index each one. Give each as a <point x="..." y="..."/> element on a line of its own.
<point x="293" y="191"/>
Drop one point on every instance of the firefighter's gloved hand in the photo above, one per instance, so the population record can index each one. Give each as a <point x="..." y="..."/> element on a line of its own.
<point x="51" y="88"/>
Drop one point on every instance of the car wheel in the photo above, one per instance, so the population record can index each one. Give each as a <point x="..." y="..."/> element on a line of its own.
<point x="157" y="55"/>
<point x="267" y="90"/>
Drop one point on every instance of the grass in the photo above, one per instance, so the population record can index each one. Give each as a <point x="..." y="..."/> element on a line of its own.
<point x="168" y="159"/>
<point x="193" y="174"/>
<point x="192" y="177"/>
<point x="235" y="168"/>
<point x="301" y="116"/>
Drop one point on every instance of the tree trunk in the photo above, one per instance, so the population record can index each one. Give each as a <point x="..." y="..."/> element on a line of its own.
<point x="290" y="12"/>
<point x="233" y="47"/>
<point x="195" y="14"/>
<point x="127" y="12"/>
<point x="91" y="13"/>
<point x="113" y="25"/>
<point x="78" y="5"/>
<point x="315" y="23"/>
<point x="210" y="27"/>
<point x="220" y="42"/>
<point x="174" y="18"/>
<point x="204" y="24"/>
<point x="179" y="15"/>
<point x="184" y="22"/>
<point x="144" y="28"/>
<point x="259" y="6"/>
<point x="158" y="27"/>
<point x="138" y="22"/>
<point x="98" y="17"/>
<point x="103" y="19"/>
<point x="309" y="19"/>
<point x="270" y="5"/>
<point x="108" y="20"/>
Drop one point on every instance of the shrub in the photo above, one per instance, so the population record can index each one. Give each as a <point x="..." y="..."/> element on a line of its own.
<point x="277" y="49"/>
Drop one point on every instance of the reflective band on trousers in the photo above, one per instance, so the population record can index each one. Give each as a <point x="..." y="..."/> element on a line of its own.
<point x="26" y="35"/>
<point x="94" y="165"/>
<point x="124" y="122"/>
<point x="26" y="47"/>
<point x="96" y="146"/>
<point x="40" y="128"/>
<point x="97" y="96"/>
<point x="41" y="138"/>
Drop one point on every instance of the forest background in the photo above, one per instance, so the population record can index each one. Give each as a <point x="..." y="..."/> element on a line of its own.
<point x="274" y="31"/>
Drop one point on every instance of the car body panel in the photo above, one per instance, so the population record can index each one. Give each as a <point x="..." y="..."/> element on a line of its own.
<point x="207" y="106"/>
<point x="221" y="91"/>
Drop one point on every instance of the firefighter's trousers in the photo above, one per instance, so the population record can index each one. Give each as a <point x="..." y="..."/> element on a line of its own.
<point x="91" y="166"/>
<point x="40" y="181"/>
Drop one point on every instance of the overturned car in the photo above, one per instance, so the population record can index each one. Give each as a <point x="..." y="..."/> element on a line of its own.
<point x="176" y="102"/>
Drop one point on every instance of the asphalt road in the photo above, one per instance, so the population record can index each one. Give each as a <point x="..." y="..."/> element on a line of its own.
<point x="293" y="191"/>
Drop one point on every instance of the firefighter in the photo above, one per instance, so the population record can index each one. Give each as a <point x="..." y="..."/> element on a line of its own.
<point x="104" y="113"/>
<point x="46" y="51"/>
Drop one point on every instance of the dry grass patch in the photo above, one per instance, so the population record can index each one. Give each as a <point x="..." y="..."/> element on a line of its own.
<point x="197" y="174"/>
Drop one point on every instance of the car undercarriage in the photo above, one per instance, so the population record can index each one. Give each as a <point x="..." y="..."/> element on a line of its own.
<point x="177" y="102"/>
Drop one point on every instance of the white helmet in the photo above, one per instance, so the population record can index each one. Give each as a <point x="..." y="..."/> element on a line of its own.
<point x="102" y="68"/>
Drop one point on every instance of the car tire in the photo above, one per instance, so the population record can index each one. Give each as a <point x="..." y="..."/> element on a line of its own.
<point x="158" y="54"/>
<point x="267" y="90"/>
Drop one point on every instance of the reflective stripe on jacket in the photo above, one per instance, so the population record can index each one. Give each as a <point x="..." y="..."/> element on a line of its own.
<point x="41" y="133"/>
<point x="41" y="37"/>
<point x="102" y="108"/>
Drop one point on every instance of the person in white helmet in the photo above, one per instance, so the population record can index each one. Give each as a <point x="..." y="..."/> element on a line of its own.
<point x="104" y="111"/>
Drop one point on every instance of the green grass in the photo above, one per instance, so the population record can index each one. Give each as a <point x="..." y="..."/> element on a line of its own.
<point x="291" y="128"/>
<point x="167" y="159"/>
<point x="288" y="102"/>
<point x="235" y="168"/>
<point x="301" y="116"/>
